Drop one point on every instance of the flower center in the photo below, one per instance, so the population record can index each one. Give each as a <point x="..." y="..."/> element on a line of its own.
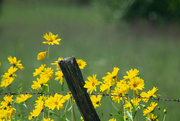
<point x="56" y="103"/>
<point x="134" y="85"/>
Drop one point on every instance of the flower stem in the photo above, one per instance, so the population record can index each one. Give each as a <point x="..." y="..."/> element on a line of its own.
<point x="48" y="54"/>
<point x="164" y="117"/>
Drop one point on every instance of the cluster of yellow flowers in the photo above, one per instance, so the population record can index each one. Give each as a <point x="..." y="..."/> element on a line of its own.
<point x="9" y="76"/>
<point x="43" y="76"/>
<point x="118" y="91"/>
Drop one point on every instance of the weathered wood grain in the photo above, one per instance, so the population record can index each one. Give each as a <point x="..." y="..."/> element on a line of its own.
<point x="75" y="82"/>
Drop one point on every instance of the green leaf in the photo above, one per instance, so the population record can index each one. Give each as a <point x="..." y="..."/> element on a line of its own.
<point x="117" y="115"/>
<point x="129" y="115"/>
<point x="67" y="111"/>
<point x="53" y="112"/>
<point x="24" y="104"/>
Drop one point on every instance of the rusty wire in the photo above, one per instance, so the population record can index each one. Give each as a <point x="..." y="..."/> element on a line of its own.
<point x="64" y="93"/>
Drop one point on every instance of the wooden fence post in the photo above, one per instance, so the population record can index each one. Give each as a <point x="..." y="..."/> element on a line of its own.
<point x="75" y="83"/>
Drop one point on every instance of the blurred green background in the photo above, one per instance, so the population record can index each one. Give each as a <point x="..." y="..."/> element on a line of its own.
<point x="106" y="34"/>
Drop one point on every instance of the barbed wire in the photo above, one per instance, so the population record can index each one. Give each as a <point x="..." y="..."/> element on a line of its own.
<point x="65" y="93"/>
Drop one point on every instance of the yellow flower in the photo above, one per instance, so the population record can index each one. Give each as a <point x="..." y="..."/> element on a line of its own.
<point x="56" y="63"/>
<point x="43" y="80"/>
<point x="9" y="112"/>
<point x="51" y="39"/>
<point x="136" y="84"/>
<point x="113" y="119"/>
<point x="41" y="55"/>
<point x="149" y="94"/>
<point x="6" y="81"/>
<point x="48" y="72"/>
<point x="8" y="77"/>
<point x="66" y="97"/>
<point x="115" y="95"/>
<point x="109" y="80"/>
<point x="10" y="72"/>
<point x="165" y="111"/>
<point x="39" y="70"/>
<point x="59" y="75"/>
<point x="123" y="86"/>
<point x="81" y="118"/>
<point x="134" y="101"/>
<point x="96" y="100"/>
<point x="91" y="83"/>
<point x="23" y="98"/>
<point x="55" y="102"/>
<point x="149" y="108"/>
<point x="7" y="101"/>
<point x="15" y="62"/>
<point x="38" y="107"/>
<point x="151" y="117"/>
<point x="36" y="85"/>
<point x="131" y="74"/>
<point x="106" y="86"/>
<point x="81" y="63"/>
<point x="48" y="119"/>
<point x="0" y="63"/>
<point x="35" y="113"/>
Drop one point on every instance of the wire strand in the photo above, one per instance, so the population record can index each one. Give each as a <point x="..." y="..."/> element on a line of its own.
<point x="65" y="93"/>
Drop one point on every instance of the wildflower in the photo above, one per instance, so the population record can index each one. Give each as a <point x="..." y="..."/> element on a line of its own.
<point x="40" y="82"/>
<point x="55" y="102"/>
<point x="149" y="108"/>
<point x="34" y="113"/>
<point x="66" y="97"/>
<point x="36" y="85"/>
<point x="9" y="112"/>
<point x="151" y="117"/>
<point x="8" y="77"/>
<point x="56" y="63"/>
<point x="48" y="119"/>
<point x="123" y="86"/>
<point x="134" y="101"/>
<point x="60" y="77"/>
<point x="6" y="81"/>
<point x="43" y="80"/>
<point x="39" y="70"/>
<point x="15" y="62"/>
<point x="165" y="111"/>
<point x="7" y="101"/>
<point x="106" y="86"/>
<point x="38" y="107"/>
<point x="113" y="119"/>
<point x="131" y="74"/>
<point x="91" y="83"/>
<point x="149" y="94"/>
<point x="23" y="98"/>
<point x="96" y="100"/>
<point x="41" y="55"/>
<point x="116" y="95"/>
<point x="136" y="84"/>
<point x="81" y="63"/>
<point x="51" y="39"/>
<point x="10" y="72"/>
<point x="48" y="72"/>
<point x="109" y="80"/>
<point x="0" y="63"/>
<point x="81" y="118"/>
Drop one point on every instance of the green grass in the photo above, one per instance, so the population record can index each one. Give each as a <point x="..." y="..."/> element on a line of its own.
<point x="85" y="34"/>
